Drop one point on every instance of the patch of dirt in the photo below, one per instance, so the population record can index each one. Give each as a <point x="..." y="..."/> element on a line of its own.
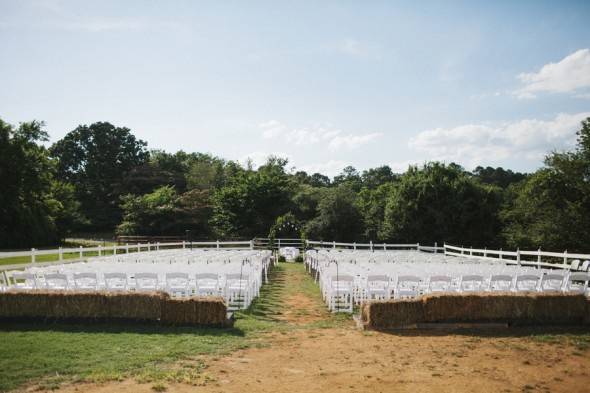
<point x="301" y="310"/>
<point x="348" y="360"/>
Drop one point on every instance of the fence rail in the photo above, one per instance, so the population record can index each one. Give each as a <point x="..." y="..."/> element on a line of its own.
<point x="518" y="257"/>
<point x="375" y="246"/>
<point x="64" y="255"/>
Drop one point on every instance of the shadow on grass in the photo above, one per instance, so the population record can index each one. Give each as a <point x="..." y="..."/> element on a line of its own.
<point x="101" y="327"/>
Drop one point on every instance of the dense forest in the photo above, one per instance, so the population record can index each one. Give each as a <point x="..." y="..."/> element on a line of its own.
<point x="101" y="179"/>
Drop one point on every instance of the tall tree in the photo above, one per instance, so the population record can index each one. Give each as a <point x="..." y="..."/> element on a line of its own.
<point x="96" y="159"/>
<point x="551" y="208"/>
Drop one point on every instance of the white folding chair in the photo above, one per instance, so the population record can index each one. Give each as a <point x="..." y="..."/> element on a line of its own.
<point x="207" y="284"/>
<point x="177" y="284"/>
<point x="407" y="287"/>
<point x="526" y="282"/>
<point x="237" y="291"/>
<point x="146" y="282"/>
<point x="551" y="282"/>
<point x="577" y="282"/>
<point x="575" y="264"/>
<point x="115" y="281"/>
<point x="340" y="293"/>
<point x="56" y="281"/>
<point x="24" y="281"/>
<point x="378" y="287"/>
<point x="500" y="282"/>
<point x="585" y="266"/>
<point x="85" y="281"/>
<point x="472" y="283"/>
<point x="440" y="284"/>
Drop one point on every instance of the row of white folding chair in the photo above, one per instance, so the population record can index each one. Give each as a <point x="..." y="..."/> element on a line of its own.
<point x="177" y="284"/>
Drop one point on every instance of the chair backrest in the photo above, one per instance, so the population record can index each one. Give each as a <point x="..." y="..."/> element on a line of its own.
<point x="30" y="280"/>
<point x="551" y="282"/>
<point x="500" y="282"/>
<point x="408" y="279"/>
<point x="56" y="280"/>
<point x="207" y="276"/>
<point x="577" y="282"/>
<point x="585" y="266"/>
<point x="116" y="281"/>
<point x="85" y="280"/>
<point x="575" y="264"/>
<point x="526" y="282"/>
<point x="146" y="281"/>
<point x="472" y="282"/>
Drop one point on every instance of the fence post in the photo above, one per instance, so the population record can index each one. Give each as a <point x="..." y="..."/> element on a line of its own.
<point x="33" y="256"/>
<point x="279" y="243"/>
<point x="61" y="254"/>
<point x="445" y="248"/>
<point x="384" y="247"/>
<point x="184" y="244"/>
<point x="126" y="248"/>
<point x="485" y="252"/>
<point x="518" y="256"/>
<point x="217" y="244"/>
<point x="470" y="251"/>
<point x="333" y="243"/>
<point x="114" y="250"/>
<point x="149" y="246"/>
<point x="99" y="250"/>
<point x="354" y="246"/>
<point x="435" y="247"/>
<point x="371" y="243"/>
<point x="417" y="246"/>
<point x="500" y="254"/>
<point x="251" y="244"/>
<point x="138" y="247"/>
<point x="81" y="253"/>
<point x="539" y="258"/>
<point x="158" y="246"/>
<point x="565" y="257"/>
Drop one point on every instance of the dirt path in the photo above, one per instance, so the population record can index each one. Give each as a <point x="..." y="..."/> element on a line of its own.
<point x="340" y="358"/>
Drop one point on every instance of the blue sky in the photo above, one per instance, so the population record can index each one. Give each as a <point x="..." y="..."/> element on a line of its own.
<point x="326" y="84"/>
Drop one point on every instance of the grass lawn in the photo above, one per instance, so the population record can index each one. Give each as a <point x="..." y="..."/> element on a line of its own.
<point x="57" y="353"/>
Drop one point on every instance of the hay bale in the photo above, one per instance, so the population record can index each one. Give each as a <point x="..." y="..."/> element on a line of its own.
<point x="478" y="307"/>
<point x="20" y="304"/>
<point x="135" y="306"/>
<point x="75" y="305"/>
<point x="558" y="308"/>
<point x="195" y="311"/>
<point x="392" y="313"/>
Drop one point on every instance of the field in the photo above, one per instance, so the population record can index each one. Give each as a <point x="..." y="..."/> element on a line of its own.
<point x="288" y="341"/>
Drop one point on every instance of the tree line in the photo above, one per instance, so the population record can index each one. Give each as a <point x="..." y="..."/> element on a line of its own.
<point x="101" y="178"/>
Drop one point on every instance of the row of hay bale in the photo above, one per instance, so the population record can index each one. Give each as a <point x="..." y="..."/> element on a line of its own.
<point x="100" y="305"/>
<point x="503" y="307"/>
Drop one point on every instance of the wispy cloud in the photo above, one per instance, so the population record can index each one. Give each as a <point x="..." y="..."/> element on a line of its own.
<point x="569" y="75"/>
<point x="334" y="139"/>
<point x="475" y="144"/>
<point x="356" y="48"/>
<point x="329" y="168"/>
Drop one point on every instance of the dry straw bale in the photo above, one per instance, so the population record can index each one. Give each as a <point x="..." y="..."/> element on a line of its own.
<point x="15" y="304"/>
<point x="390" y="314"/>
<point x="195" y="311"/>
<point x="135" y="306"/>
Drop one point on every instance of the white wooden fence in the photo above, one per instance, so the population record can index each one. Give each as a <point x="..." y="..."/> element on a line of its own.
<point x="374" y="246"/>
<point x="560" y="260"/>
<point x="82" y="252"/>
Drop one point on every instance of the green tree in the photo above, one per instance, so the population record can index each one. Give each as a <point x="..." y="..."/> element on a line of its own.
<point x="338" y="216"/>
<point x="96" y="159"/>
<point x="28" y="205"/>
<point x="249" y="203"/>
<point x="442" y="203"/>
<point x="551" y="209"/>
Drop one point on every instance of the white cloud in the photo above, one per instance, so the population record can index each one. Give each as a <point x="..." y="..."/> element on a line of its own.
<point x="350" y="141"/>
<point x="570" y="74"/>
<point x="335" y="139"/>
<point x="402" y="166"/>
<point x="478" y="144"/>
<point x="362" y="49"/>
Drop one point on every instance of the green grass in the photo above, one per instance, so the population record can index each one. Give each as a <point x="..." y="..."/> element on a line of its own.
<point x="51" y="354"/>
